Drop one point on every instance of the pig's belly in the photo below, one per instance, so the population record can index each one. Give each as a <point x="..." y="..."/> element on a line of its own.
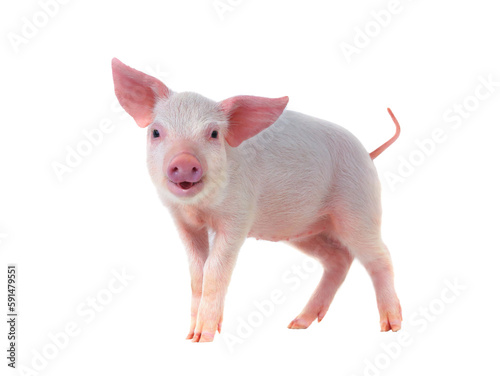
<point x="283" y="229"/>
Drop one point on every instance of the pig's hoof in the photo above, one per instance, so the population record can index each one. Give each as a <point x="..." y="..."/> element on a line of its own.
<point x="203" y="337"/>
<point x="391" y="320"/>
<point x="304" y="320"/>
<point x="192" y="327"/>
<point x="205" y="333"/>
<point x="299" y="324"/>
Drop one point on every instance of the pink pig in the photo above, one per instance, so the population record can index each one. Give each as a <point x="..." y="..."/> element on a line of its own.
<point x="245" y="167"/>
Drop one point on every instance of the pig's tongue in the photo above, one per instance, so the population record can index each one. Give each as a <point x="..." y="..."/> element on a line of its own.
<point x="186" y="185"/>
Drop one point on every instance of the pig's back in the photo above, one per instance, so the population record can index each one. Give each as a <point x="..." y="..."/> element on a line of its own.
<point x="297" y="168"/>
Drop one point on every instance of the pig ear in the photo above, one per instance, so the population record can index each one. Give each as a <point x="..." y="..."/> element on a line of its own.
<point x="137" y="92"/>
<point x="250" y="115"/>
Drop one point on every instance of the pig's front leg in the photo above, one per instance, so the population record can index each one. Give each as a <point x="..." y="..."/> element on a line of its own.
<point x="196" y="243"/>
<point x="216" y="276"/>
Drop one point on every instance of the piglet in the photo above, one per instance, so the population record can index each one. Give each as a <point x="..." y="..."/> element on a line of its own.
<point x="246" y="167"/>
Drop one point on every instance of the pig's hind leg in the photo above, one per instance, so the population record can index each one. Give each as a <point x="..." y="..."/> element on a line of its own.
<point x="360" y="232"/>
<point x="336" y="261"/>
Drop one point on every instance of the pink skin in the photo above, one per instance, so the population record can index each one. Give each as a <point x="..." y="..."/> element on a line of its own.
<point x="137" y="92"/>
<point x="215" y="283"/>
<point x="242" y="182"/>
<point x="248" y="110"/>
<point x="336" y="261"/>
<point x="184" y="174"/>
<point x="196" y="241"/>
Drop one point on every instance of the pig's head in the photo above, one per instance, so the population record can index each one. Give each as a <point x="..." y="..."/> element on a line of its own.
<point x="189" y="136"/>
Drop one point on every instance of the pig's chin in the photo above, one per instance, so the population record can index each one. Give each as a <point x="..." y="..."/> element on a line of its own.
<point x="185" y="189"/>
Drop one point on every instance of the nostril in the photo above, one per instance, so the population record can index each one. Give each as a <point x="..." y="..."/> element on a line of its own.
<point x="184" y="167"/>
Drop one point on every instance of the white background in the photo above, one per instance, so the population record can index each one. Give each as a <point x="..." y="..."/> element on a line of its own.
<point x="67" y="237"/>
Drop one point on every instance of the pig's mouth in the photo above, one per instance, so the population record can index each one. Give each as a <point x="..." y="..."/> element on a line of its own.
<point x="185" y="188"/>
<point x="187" y="184"/>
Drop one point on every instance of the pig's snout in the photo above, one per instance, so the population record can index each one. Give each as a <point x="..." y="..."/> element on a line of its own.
<point x="184" y="170"/>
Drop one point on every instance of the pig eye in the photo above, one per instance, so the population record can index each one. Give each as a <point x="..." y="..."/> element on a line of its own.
<point x="214" y="134"/>
<point x="156" y="134"/>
